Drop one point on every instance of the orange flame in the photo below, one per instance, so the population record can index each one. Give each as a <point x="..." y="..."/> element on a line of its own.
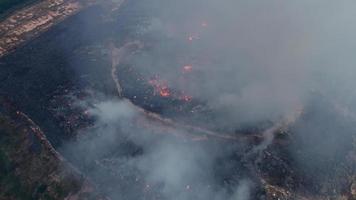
<point x="164" y="91"/>
<point x="160" y="87"/>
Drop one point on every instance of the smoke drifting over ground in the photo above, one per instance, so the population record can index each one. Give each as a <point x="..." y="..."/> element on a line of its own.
<point x="144" y="160"/>
<point x="241" y="53"/>
<point x="249" y="62"/>
<point x="253" y="60"/>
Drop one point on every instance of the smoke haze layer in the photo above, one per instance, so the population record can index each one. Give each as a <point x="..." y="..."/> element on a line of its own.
<point x="248" y="62"/>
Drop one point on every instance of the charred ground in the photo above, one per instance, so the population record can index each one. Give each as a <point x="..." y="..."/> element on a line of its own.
<point x="46" y="77"/>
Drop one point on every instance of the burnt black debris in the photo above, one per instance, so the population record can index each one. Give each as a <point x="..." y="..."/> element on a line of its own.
<point x="59" y="78"/>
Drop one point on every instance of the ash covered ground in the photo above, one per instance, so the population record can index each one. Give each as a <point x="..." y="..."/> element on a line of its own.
<point x="196" y="99"/>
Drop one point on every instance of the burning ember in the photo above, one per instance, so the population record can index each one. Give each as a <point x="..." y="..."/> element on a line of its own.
<point x="186" y="98"/>
<point x="187" y="68"/>
<point x="164" y="91"/>
<point x="160" y="87"/>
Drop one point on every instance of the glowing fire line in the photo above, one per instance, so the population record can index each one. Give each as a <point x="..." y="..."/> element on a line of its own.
<point x="192" y="132"/>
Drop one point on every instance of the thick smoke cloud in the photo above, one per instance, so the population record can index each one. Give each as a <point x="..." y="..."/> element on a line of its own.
<point x="149" y="159"/>
<point x="263" y="60"/>
<point x="253" y="61"/>
<point x="243" y="52"/>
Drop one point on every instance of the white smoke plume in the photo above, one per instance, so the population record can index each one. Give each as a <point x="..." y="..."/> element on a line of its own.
<point x="253" y="61"/>
<point x="169" y="166"/>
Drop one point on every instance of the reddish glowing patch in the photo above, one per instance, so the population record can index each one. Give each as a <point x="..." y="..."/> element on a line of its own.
<point x="186" y="98"/>
<point x="165" y="92"/>
<point x="187" y="68"/>
<point x="160" y="87"/>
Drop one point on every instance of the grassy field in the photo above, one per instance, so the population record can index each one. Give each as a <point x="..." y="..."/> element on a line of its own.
<point x="9" y="5"/>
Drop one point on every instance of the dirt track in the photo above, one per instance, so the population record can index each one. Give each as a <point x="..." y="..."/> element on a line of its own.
<point x="192" y="132"/>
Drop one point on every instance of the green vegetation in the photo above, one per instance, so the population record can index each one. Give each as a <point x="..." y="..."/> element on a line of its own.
<point x="7" y="5"/>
